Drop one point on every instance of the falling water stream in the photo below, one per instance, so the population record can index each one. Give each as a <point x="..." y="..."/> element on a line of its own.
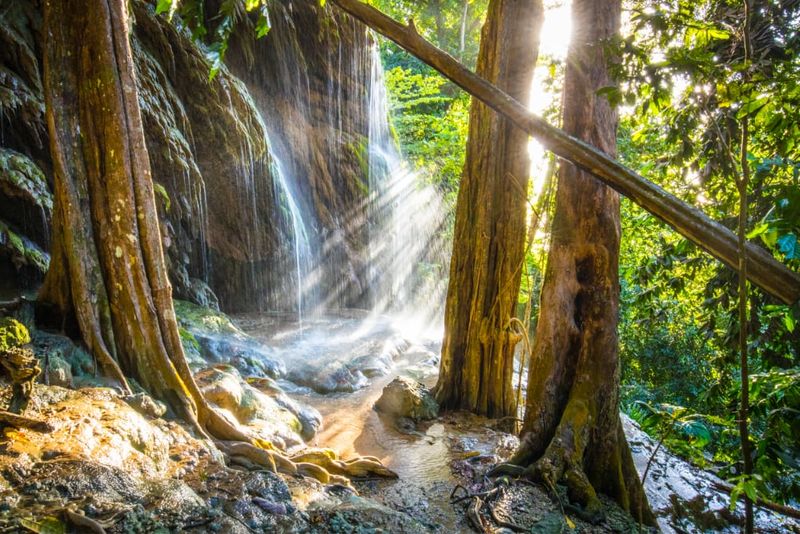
<point x="303" y="259"/>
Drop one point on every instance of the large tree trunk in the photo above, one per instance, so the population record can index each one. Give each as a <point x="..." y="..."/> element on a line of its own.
<point x="572" y="430"/>
<point x="478" y="350"/>
<point x="107" y="270"/>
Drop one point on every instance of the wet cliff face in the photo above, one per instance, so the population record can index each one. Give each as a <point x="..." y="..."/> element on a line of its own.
<point x="310" y="78"/>
<point x="208" y="148"/>
<point x="25" y="200"/>
<point x="261" y="172"/>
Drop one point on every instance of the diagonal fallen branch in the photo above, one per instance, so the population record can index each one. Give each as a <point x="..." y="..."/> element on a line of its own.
<point x="782" y="509"/>
<point x="763" y="270"/>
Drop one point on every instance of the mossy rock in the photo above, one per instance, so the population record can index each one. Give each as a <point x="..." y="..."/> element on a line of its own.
<point x="12" y="334"/>
<point x="200" y="320"/>
<point x="22" y="250"/>
<point x="22" y="179"/>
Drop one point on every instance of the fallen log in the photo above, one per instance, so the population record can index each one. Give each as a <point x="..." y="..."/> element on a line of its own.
<point x="762" y="269"/>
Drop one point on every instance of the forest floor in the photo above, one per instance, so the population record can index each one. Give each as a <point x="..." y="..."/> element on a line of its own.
<point x="113" y="464"/>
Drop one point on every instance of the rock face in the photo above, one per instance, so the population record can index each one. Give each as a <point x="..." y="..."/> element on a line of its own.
<point x="104" y="458"/>
<point x="25" y="200"/>
<point x="245" y="167"/>
<point x="407" y="398"/>
<point x="684" y="497"/>
<point x="310" y="76"/>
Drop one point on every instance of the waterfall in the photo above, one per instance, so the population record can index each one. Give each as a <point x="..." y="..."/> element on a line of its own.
<point x="303" y="258"/>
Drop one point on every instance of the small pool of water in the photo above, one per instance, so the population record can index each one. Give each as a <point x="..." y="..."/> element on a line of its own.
<point x="423" y="458"/>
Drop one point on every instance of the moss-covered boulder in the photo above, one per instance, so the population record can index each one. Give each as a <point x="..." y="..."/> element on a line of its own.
<point x="201" y="320"/>
<point x="210" y="336"/>
<point x="12" y="334"/>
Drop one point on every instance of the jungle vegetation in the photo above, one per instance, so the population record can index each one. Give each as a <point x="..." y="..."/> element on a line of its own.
<point x="622" y="311"/>
<point x="684" y="89"/>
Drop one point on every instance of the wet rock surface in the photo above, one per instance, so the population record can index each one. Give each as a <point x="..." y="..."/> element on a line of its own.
<point x="210" y="336"/>
<point x="260" y="412"/>
<point x="404" y="397"/>
<point x="684" y="497"/>
<point x="114" y="461"/>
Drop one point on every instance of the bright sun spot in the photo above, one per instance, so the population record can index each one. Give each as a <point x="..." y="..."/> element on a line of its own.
<point x="554" y="42"/>
<point x="556" y="29"/>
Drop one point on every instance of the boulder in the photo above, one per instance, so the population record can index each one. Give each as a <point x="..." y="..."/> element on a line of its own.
<point x="404" y="397"/>
<point x="271" y="416"/>
<point x="330" y="377"/>
<point x="57" y="373"/>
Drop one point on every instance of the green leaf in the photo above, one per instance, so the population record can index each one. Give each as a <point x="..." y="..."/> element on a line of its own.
<point x="263" y="25"/>
<point x="750" y="490"/>
<point x="789" y="322"/>
<point x="165" y="6"/>
<point x="760" y="228"/>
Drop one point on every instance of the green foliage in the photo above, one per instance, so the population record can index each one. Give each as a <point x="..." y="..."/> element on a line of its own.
<point x="680" y="429"/>
<point x="221" y="25"/>
<point x="744" y="485"/>
<point x="430" y="115"/>
<point x="452" y="25"/>
<point x="682" y="74"/>
<point x="431" y="126"/>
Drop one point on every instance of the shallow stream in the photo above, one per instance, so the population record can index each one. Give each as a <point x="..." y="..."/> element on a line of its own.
<point x="424" y="456"/>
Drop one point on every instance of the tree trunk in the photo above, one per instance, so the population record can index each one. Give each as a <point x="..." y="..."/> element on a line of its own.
<point x="763" y="269"/>
<point x="476" y="371"/>
<point x="107" y="270"/>
<point x="572" y="430"/>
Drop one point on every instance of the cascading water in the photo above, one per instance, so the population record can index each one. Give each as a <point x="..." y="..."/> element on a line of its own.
<point x="303" y="258"/>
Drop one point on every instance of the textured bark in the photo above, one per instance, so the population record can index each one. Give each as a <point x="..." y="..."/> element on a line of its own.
<point x="107" y="270"/>
<point x="763" y="269"/>
<point x="572" y="430"/>
<point x="478" y="350"/>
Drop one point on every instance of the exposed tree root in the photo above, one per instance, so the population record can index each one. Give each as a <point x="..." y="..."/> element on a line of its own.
<point x="320" y="464"/>
<point x="562" y="463"/>
<point x="478" y="501"/>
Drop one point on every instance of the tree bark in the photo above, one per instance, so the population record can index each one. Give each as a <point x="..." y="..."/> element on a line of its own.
<point x="477" y="365"/>
<point x="763" y="270"/>
<point x="572" y="429"/>
<point x="107" y="270"/>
